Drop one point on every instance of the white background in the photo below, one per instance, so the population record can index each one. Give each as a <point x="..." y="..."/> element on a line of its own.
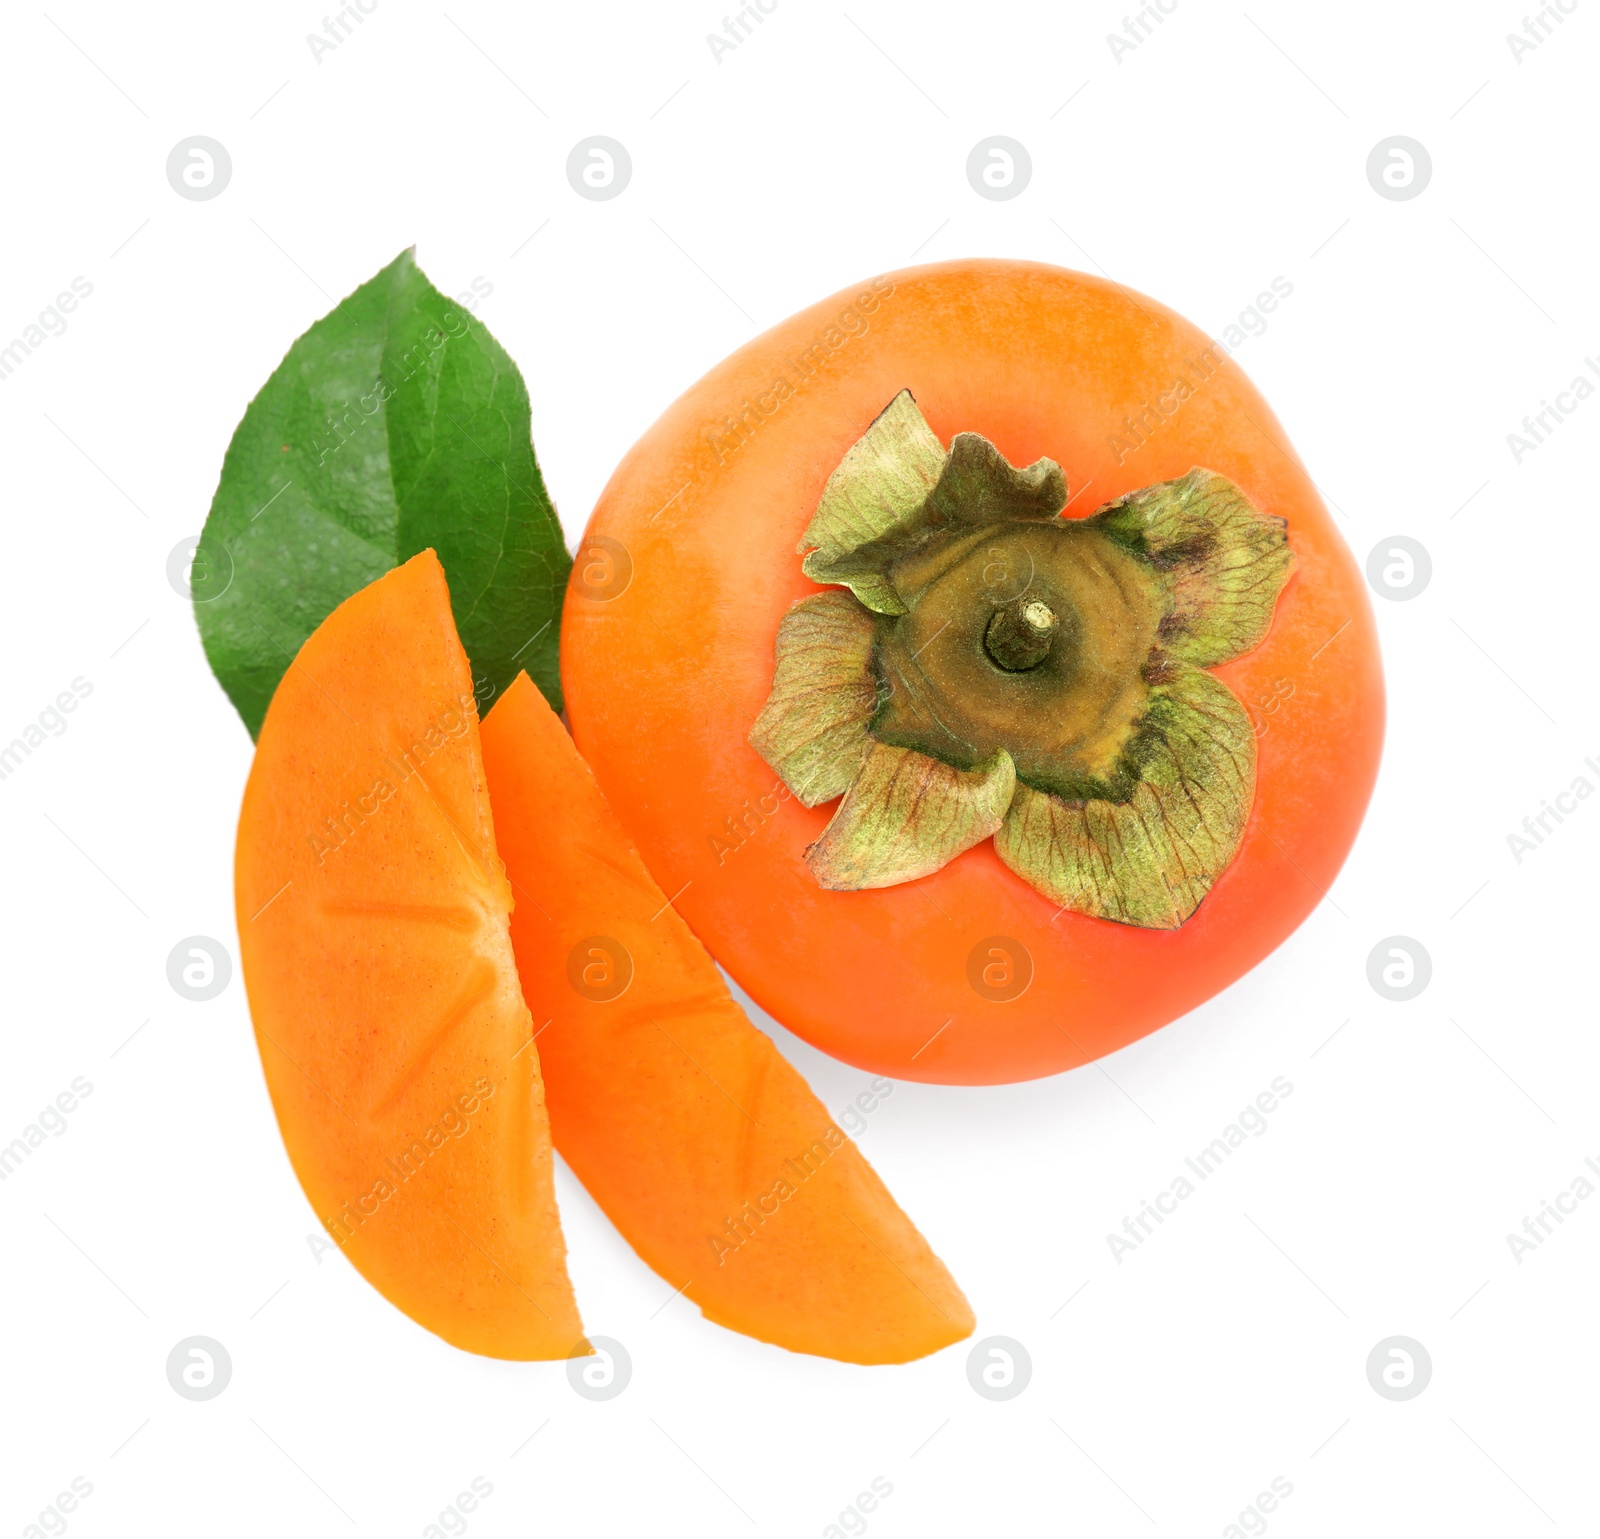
<point x="1226" y="149"/>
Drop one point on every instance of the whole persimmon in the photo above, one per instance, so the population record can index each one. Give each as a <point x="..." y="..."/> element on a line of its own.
<point x="977" y="669"/>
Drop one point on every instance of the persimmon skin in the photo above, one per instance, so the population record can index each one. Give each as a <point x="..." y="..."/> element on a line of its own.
<point x="664" y="678"/>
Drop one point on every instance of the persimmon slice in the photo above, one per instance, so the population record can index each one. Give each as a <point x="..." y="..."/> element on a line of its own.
<point x="374" y="933"/>
<point x="703" y="1145"/>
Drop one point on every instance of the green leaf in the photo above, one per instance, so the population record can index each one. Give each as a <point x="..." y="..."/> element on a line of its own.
<point x="394" y="424"/>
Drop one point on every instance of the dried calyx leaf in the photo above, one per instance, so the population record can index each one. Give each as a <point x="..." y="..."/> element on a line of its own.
<point x="1225" y="563"/>
<point x="1150" y="859"/>
<point x="906" y="815"/>
<point x="995" y="668"/>
<point x="813" y="729"/>
<point x="882" y="483"/>
<point x="980" y="486"/>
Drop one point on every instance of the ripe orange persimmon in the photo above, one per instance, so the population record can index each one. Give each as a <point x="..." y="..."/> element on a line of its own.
<point x="1145" y="664"/>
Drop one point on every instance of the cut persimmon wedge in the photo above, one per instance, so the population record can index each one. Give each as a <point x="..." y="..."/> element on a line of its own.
<point x="374" y="934"/>
<point x="699" y="1140"/>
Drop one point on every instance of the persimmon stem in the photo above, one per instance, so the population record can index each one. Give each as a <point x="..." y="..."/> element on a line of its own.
<point x="1020" y="635"/>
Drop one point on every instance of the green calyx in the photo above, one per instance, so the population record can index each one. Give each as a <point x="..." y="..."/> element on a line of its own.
<point x="991" y="668"/>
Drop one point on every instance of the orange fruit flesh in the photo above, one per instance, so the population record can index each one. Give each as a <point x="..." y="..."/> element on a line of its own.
<point x="373" y="918"/>
<point x="699" y="1140"/>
